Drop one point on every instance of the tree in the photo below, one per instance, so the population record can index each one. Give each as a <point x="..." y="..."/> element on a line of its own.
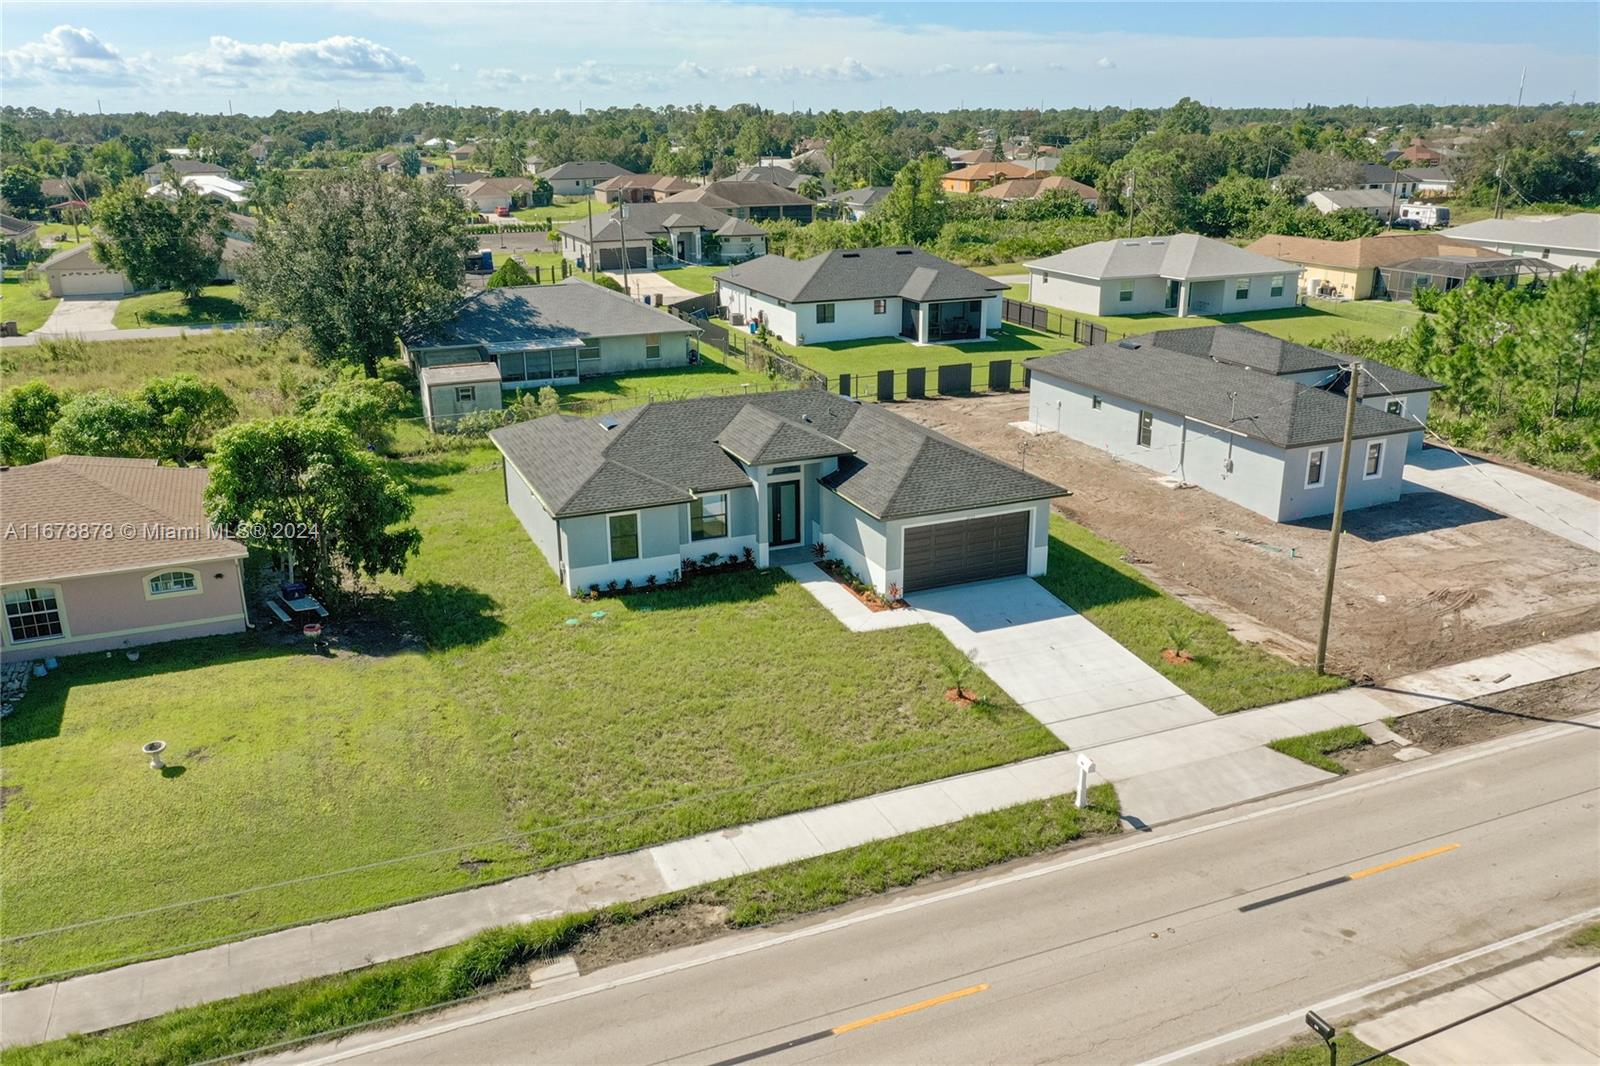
<point x="20" y="187"/>
<point x="357" y="258"/>
<point x="366" y="407"/>
<point x="915" y="209"/>
<point x="811" y="188"/>
<point x="27" y="414"/>
<point x="168" y="241"/>
<point x="410" y="161"/>
<point x="508" y="274"/>
<point x="1187" y="116"/>
<point x="542" y="194"/>
<point x="1322" y="170"/>
<point x="101" y="423"/>
<point x="181" y="413"/>
<point x="113" y="160"/>
<point x="310" y="475"/>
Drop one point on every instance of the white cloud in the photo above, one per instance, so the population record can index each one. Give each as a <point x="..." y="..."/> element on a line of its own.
<point x="1106" y="63"/>
<point x="69" y="54"/>
<point x="847" y="69"/>
<point x="342" y="57"/>
<point x="991" y="69"/>
<point x="941" y="70"/>
<point x="691" y="69"/>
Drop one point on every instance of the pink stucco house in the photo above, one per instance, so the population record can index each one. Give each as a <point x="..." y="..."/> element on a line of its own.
<point x="99" y="554"/>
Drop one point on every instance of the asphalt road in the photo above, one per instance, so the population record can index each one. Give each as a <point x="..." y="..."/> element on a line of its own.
<point x="1127" y="951"/>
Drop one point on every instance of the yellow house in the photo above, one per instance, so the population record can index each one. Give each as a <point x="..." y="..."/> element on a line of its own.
<point x="1348" y="269"/>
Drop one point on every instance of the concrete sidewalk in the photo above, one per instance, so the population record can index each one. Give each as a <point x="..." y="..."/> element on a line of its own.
<point x="1162" y="775"/>
<point x="1560" y="1025"/>
<point x="1538" y="502"/>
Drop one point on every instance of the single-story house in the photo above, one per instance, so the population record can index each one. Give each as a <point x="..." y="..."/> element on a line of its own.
<point x="688" y="233"/>
<point x="1379" y="176"/>
<point x="1350" y="270"/>
<point x="967" y="157"/>
<point x="76" y="272"/>
<point x="630" y="496"/>
<point x="1445" y="272"/>
<point x="773" y="174"/>
<point x="1032" y="188"/>
<point x="1421" y="153"/>
<point x="214" y="186"/>
<point x="1568" y="241"/>
<point x="529" y="336"/>
<point x="16" y="229"/>
<point x="579" y="178"/>
<point x="462" y="153"/>
<point x="1181" y="275"/>
<point x="1045" y="161"/>
<point x="753" y="200"/>
<point x="184" y="168"/>
<point x="457" y="179"/>
<point x="1381" y="205"/>
<point x="389" y="163"/>
<point x="156" y="571"/>
<point x="56" y="189"/>
<point x="1432" y="183"/>
<point x="488" y="195"/>
<point x="854" y="204"/>
<point x="1249" y="417"/>
<point x="851" y="294"/>
<point x="639" y="188"/>
<point x="982" y="175"/>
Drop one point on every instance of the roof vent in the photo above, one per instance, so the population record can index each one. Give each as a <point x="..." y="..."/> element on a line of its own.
<point x="608" y="423"/>
<point x="805" y="418"/>
<point x="1154" y="243"/>
<point x="850" y="255"/>
<point x="1132" y="346"/>
<point x="902" y="251"/>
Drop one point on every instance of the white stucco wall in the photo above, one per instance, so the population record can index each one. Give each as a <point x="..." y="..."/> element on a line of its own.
<point x="542" y="528"/>
<point x="1104" y="297"/>
<point x="852" y="320"/>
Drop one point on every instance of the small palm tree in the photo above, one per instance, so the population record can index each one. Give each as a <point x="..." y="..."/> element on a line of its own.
<point x="957" y="668"/>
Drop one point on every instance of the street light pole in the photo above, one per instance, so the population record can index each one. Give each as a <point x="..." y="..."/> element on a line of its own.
<point x="1352" y="398"/>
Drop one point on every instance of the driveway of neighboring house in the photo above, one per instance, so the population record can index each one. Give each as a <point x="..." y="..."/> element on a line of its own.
<point x="1538" y="502"/>
<point x="78" y="315"/>
<point x="646" y="283"/>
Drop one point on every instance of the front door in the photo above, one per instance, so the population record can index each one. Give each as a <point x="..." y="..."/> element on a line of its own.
<point x="785" y="513"/>
<point x="1173" y="288"/>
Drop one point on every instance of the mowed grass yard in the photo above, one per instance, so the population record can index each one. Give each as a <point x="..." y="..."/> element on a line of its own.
<point x="466" y="722"/>
<point x="712" y="375"/>
<point x="1312" y="323"/>
<point x="216" y="305"/>
<point x="564" y="209"/>
<point x="694" y="278"/>
<point x="28" y="303"/>
<point x="892" y="353"/>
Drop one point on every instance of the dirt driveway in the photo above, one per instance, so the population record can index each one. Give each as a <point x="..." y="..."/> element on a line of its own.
<point x="1422" y="582"/>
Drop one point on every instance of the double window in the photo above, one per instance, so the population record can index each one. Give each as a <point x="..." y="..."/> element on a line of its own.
<point x="1241" y="289"/>
<point x="708" y="516"/>
<point x="1146" y="426"/>
<point x="1316" y="468"/>
<point x="824" y="314"/>
<point x="33" y="613"/>
<point x="624" y="530"/>
<point x="173" y="581"/>
<point x="1374" y="467"/>
<point x="1125" y="294"/>
<point x="652" y="346"/>
<point x="589" y="353"/>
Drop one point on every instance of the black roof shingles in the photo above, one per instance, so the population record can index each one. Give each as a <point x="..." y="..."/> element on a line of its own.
<point x="666" y="453"/>
<point x="861" y="273"/>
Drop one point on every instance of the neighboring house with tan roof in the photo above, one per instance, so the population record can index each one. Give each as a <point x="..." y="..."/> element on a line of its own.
<point x="982" y="175"/>
<point x="390" y="163"/>
<point x="488" y="195"/>
<point x="1351" y="269"/>
<point x="103" y="554"/>
<point x="1031" y="188"/>
<point x="639" y="188"/>
<point x="960" y="157"/>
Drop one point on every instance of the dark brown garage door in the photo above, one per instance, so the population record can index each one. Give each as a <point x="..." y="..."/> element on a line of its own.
<point x="611" y="258"/>
<point x="975" y="549"/>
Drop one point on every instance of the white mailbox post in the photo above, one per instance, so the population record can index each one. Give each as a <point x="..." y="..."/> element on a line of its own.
<point x="1085" y="768"/>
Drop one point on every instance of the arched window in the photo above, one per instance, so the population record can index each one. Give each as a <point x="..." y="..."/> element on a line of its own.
<point x="172" y="582"/>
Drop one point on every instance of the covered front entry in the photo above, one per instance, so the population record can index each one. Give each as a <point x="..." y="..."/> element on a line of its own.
<point x="785" y="527"/>
<point x="972" y="549"/>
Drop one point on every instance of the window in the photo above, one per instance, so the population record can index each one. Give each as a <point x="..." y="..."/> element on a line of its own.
<point x="1316" y="463"/>
<point x="1374" y="460"/>
<point x="1241" y="289"/>
<point x="511" y="366"/>
<point x="880" y="306"/>
<point x="708" y="516"/>
<point x="624" y="530"/>
<point x="1095" y="403"/>
<point x="33" y="614"/>
<point x="564" y="363"/>
<point x="1396" y="406"/>
<point x="1125" y="294"/>
<point x="795" y="469"/>
<point x="1277" y="284"/>
<point x="652" y="346"/>
<point x="1146" y="424"/>
<point x="590" y="351"/>
<point x="824" y="314"/>
<point x="466" y="393"/>
<point x="173" y="581"/>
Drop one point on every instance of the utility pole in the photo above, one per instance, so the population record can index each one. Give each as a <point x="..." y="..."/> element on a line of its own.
<point x="622" y="235"/>
<point x="1500" y="170"/>
<point x="590" y="203"/>
<point x="1132" y="176"/>
<point x="1352" y="398"/>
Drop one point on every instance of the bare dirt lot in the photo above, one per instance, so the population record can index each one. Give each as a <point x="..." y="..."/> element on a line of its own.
<point x="1422" y="582"/>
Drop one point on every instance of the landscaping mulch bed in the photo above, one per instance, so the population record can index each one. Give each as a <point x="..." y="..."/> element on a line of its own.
<point x="856" y="587"/>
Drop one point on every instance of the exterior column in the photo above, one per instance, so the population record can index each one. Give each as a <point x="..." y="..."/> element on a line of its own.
<point x="1183" y="299"/>
<point x="924" y="319"/>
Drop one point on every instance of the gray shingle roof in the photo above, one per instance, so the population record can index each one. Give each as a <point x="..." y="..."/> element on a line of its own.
<point x="1182" y="255"/>
<point x="861" y="274"/>
<point x="665" y="453"/>
<point x="1254" y="350"/>
<point x="580" y="169"/>
<point x="547" y="316"/>
<point x="646" y="221"/>
<point x="784" y="176"/>
<point x="759" y="437"/>
<point x="1580" y="232"/>
<point x="1259" y="405"/>
<point x="183" y="168"/>
<point x="726" y="194"/>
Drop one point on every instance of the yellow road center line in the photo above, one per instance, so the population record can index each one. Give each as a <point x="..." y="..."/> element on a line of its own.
<point x="1418" y="857"/>
<point x="909" y="1008"/>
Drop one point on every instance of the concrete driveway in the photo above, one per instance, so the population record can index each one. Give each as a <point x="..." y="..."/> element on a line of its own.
<point x="647" y="283"/>
<point x="77" y="315"/>
<point x="1567" y="514"/>
<point x="1084" y="686"/>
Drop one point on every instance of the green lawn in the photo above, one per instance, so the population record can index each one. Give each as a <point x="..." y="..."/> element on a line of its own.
<point x="1000" y="269"/>
<point x="28" y="303"/>
<point x="1309" y="1051"/>
<point x="59" y="234"/>
<point x="694" y="278"/>
<point x="1315" y="321"/>
<point x="565" y="209"/>
<point x="866" y="356"/>
<point x="464" y="716"/>
<point x="217" y="304"/>
<point x="1313" y="749"/>
<point x="710" y="375"/>
<point x="1089" y="574"/>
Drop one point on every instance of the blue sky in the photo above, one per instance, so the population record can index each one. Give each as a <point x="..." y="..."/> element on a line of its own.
<point x="262" y="56"/>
